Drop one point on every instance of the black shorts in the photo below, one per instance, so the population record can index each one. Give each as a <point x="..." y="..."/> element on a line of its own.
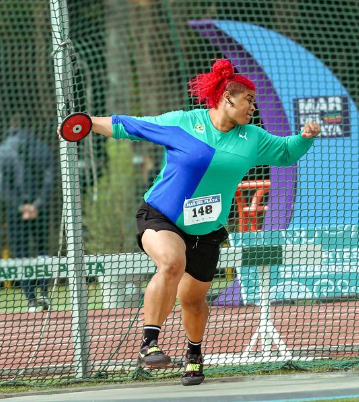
<point x="202" y="252"/>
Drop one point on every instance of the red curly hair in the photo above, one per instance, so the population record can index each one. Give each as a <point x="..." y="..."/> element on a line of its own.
<point x="209" y="87"/>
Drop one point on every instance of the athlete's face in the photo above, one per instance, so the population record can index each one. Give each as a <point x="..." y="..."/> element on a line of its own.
<point x="240" y="108"/>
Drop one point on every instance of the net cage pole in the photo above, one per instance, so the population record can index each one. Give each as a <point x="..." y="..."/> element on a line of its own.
<point x="71" y="191"/>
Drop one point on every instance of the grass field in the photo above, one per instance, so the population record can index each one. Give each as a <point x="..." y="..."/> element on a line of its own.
<point x="336" y="400"/>
<point x="12" y="299"/>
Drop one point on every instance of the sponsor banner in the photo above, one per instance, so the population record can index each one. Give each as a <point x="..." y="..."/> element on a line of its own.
<point x="303" y="282"/>
<point x="331" y="112"/>
<point x="110" y="265"/>
<point x="36" y="271"/>
<point x="329" y="237"/>
<point x="334" y="275"/>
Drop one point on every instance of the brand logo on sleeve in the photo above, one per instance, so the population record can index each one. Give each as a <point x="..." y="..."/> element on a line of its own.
<point x="199" y="128"/>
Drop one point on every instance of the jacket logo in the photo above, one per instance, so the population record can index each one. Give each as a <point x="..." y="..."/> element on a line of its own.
<point x="243" y="136"/>
<point x="199" y="128"/>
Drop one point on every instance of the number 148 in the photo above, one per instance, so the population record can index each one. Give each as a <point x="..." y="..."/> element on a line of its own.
<point x="202" y="211"/>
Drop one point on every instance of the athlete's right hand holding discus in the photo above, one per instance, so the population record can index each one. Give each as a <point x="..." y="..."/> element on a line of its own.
<point x="73" y="130"/>
<point x="181" y="221"/>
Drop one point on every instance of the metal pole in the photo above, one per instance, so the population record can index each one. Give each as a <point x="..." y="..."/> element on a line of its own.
<point x="71" y="191"/>
<point x="265" y="317"/>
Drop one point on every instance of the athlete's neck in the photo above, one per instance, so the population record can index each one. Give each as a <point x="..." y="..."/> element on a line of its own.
<point x="220" y="121"/>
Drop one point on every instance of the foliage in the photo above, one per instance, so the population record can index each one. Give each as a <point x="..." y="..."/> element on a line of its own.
<point x="109" y="221"/>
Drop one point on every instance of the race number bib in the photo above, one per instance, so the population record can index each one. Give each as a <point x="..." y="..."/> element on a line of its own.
<point x="202" y="209"/>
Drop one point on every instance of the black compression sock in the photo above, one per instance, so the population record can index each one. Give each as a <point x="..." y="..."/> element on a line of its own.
<point x="194" y="348"/>
<point x="150" y="332"/>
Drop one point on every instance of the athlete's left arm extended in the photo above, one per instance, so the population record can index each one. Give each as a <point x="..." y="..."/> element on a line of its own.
<point x="284" y="151"/>
<point x="156" y="129"/>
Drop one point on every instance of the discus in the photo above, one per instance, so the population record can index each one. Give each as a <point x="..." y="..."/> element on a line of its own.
<point x="75" y="127"/>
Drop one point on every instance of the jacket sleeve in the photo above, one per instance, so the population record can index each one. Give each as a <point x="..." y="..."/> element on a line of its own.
<point x="156" y="129"/>
<point x="10" y="171"/>
<point x="47" y="179"/>
<point x="281" y="151"/>
<point x="9" y="176"/>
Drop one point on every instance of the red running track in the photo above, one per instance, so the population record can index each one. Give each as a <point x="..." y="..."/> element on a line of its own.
<point x="326" y="330"/>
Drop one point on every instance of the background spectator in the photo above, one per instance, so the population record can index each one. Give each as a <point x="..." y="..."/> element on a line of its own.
<point x="26" y="178"/>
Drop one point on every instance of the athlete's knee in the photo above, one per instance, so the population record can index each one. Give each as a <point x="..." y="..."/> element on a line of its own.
<point x="194" y="305"/>
<point x="172" y="266"/>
